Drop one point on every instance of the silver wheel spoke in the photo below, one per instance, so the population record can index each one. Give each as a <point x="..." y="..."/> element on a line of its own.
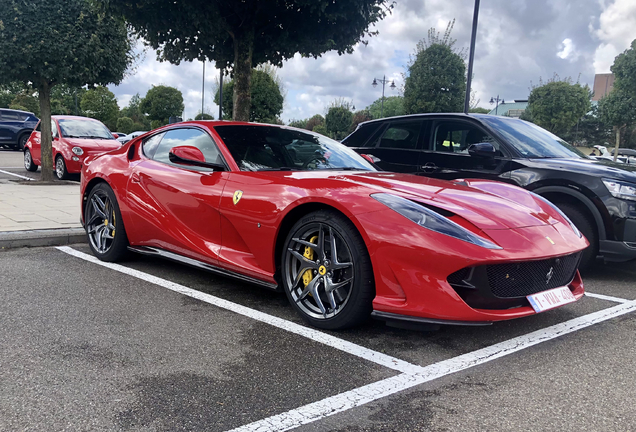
<point x="335" y="264"/>
<point x="303" y="259"/>
<point x="312" y="288"/>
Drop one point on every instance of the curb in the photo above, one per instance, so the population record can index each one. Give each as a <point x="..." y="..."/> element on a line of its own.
<point x="43" y="237"/>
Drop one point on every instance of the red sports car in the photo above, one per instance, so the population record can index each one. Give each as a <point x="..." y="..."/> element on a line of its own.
<point x="297" y="212"/>
<point x="74" y="138"/>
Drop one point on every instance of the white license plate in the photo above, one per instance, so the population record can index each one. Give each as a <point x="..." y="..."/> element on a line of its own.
<point x="550" y="299"/>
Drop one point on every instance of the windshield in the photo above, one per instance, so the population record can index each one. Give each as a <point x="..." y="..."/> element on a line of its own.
<point x="79" y="128"/>
<point x="530" y="140"/>
<point x="267" y="148"/>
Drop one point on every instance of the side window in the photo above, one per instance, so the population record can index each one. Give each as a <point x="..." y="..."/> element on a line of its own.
<point x="361" y="136"/>
<point x="54" y="129"/>
<point x="150" y="145"/>
<point x="401" y="135"/>
<point x="188" y="137"/>
<point x="10" y="116"/>
<point x="456" y="137"/>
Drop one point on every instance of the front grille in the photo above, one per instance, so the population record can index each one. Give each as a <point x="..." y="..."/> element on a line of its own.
<point x="530" y="277"/>
<point x="504" y="286"/>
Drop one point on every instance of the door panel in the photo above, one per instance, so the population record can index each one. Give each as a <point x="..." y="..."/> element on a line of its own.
<point x="398" y="146"/>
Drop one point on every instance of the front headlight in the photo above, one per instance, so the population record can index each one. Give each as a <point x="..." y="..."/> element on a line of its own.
<point x="621" y="189"/>
<point x="431" y="220"/>
<point x="78" y="151"/>
<point x="558" y="210"/>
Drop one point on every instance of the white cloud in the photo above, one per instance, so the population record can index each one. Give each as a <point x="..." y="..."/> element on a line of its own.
<point x="616" y="31"/>
<point x="568" y="50"/>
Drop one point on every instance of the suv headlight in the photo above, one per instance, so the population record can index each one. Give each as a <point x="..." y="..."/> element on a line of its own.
<point x="559" y="211"/>
<point x="621" y="189"/>
<point x="431" y="220"/>
<point x="78" y="151"/>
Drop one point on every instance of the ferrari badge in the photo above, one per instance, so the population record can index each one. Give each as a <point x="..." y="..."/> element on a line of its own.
<point x="237" y="196"/>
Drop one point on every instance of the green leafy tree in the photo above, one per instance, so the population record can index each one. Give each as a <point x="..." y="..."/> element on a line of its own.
<point x="161" y="103"/>
<point x="314" y="121"/>
<point x="393" y="106"/>
<point x="244" y="34"/>
<point x="436" y="79"/>
<point x="479" y="110"/>
<point x="338" y="119"/>
<point x="300" y="124"/>
<point x="125" y="125"/>
<point x="8" y="92"/>
<point x="101" y="104"/>
<point x="624" y="69"/>
<point x="359" y="117"/>
<point x="27" y="102"/>
<point x="204" y="116"/>
<point x="618" y="109"/>
<point x="321" y="129"/>
<point x="266" y="98"/>
<point x="47" y="43"/>
<point x="558" y="104"/>
<point x="67" y="98"/>
<point x="133" y="111"/>
<point x="141" y="127"/>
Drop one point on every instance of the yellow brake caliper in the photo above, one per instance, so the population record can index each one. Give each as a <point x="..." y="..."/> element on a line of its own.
<point x="309" y="254"/>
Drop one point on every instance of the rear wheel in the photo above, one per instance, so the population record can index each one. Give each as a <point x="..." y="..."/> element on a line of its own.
<point x="588" y="228"/>
<point x="105" y="229"/>
<point x="326" y="271"/>
<point x="60" y="168"/>
<point x="22" y="141"/>
<point x="28" y="161"/>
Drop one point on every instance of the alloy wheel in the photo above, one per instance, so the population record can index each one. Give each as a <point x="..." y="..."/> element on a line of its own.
<point x="101" y="222"/>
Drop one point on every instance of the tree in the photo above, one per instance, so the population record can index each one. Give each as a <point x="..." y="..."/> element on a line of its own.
<point x="393" y="106"/>
<point x="558" y="104"/>
<point x="359" y="117"/>
<point x="27" y="102"/>
<point x="300" y="124"/>
<point x="624" y="69"/>
<point x="8" y="92"/>
<point x="125" y="125"/>
<point x="161" y="103"/>
<point x="134" y="112"/>
<point x="204" y="116"/>
<point x="436" y="80"/>
<point x="479" y="110"/>
<point x="266" y="98"/>
<point x="314" y="121"/>
<point x="338" y="119"/>
<point x="244" y="34"/>
<point x="321" y="129"/>
<point x="101" y="104"/>
<point x="67" y="98"/>
<point x="54" y="42"/>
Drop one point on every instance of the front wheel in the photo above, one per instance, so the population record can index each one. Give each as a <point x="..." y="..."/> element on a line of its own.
<point x="60" y="168"/>
<point x="326" y="271"/>
<point x="28" y="161"/>
<point x="105" y="229"/>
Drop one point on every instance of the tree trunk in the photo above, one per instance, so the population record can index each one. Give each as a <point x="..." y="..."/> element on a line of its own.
<point x="243" y="47"/>
<point x="46" y="146"/>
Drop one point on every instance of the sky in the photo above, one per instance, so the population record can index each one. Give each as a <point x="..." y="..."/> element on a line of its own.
<point x="519" y="43"/>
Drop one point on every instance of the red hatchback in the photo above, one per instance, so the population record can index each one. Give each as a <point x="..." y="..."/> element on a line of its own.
<point x="74" y="138"/>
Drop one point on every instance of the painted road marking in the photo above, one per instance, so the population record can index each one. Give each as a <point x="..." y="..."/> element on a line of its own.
<point x="606" y="297"/>
<point x="369" y="393"/>
<point x="16" y="175"/>
<point x="412" y="375"/>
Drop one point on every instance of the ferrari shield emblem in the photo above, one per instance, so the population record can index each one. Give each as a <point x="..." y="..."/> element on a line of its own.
<point x="237" y="196"/>
<point x="549" y="239"/>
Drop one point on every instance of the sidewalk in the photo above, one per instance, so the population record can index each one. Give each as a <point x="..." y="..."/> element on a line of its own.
<point x="39" y="215"/>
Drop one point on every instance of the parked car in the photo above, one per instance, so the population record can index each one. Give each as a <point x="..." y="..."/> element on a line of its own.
<point x="15" y="127"/>
<point x="125" y="139"/>
<point x="118" y="135"/>
<point x="627" y="156"/>
<point x="341" y="239"/>
<point x="598" y="196"/>
<point x="74" y="138"/>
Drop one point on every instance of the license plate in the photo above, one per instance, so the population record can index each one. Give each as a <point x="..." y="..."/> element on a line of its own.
<point x="550" y="299"/>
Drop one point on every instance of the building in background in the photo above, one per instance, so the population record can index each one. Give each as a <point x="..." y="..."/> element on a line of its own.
<point x="511" y="109"/>
<point x="603" y="84"/>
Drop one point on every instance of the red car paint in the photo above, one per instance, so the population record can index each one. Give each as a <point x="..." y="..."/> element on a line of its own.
<point x="63" y="145"/>
<point x="193" y="214"/>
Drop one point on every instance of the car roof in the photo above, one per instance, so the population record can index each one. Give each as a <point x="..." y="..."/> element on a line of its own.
<point x="17" y="111"/>
<point x="433" y="115"/>
<point x="71" y="117"/>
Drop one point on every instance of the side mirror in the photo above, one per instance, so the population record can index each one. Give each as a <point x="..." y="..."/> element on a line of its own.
<point x="371" y="158"/>
<point x="484" y="150"/>
<point x="189" y="155"/>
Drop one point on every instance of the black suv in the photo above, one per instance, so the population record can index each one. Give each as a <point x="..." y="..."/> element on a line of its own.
<point x="598" y="196"/>
<point x="16" y="127"/>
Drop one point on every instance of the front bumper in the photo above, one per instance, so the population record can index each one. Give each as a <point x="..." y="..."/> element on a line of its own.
<point x="617" y="251"/>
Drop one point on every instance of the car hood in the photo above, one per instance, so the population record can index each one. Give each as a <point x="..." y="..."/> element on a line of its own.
<point x="595" y="167"/>
<point x="94" y="144"/>
<point x="486" y="204"/>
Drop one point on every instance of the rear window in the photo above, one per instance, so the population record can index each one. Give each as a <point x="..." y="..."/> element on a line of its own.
<point x="10" y="115"/>
<point x="361" y="135"/>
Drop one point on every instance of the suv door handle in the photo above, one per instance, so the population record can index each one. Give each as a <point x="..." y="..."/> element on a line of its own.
<point x="429" y="167"/>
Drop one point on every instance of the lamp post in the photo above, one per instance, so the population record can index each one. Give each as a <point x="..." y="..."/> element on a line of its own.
<point x="471" y="57"/>
<point x="496" y="100"/>
<point x="203" y="89"/>
<point x="384" y="81"/>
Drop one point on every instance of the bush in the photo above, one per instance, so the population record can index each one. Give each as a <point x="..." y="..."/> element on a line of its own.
<point x="125" y="125"/>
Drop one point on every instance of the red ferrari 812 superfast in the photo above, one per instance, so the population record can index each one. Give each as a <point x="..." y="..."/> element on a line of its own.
<point x="297" y="212"/>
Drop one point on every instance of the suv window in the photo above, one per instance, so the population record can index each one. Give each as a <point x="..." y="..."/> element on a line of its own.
<point x="361" y="136"/>
<point x="456" y="137"/>
<point x="187" y="137"/>
<point x="401" y="135"/>
<point x="10" y="116"/>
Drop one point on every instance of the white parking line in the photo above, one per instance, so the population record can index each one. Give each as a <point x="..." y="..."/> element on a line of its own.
<point x="411" y="375"/>
<point x="606" y="297"/>
<point x="362" y="395"/>
<point x="310" y="333"/>
<point x="16" y="175"/>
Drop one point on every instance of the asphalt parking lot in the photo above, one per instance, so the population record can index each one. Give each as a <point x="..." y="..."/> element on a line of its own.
<point x="12" y="166"/>
<point x="155" y="346"/>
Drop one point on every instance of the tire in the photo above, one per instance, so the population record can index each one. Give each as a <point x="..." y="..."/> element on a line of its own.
<point x="104" y="226"/>
<point x="329" y="291"/>
<point x="588" y="228"/>
<point x="60" y="168"/>
<point x="28" y="161"/>
<point x="22" y="140"/>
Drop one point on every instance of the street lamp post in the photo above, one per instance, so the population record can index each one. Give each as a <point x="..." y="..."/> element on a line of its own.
<point x="496" y="100"/>
<point x="384" y="81"/>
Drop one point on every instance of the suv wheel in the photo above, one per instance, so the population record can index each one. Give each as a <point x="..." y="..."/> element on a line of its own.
<point x="22" y="141"/>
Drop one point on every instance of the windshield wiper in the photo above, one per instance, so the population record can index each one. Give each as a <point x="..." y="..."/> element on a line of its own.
<point x="278" y="169"/>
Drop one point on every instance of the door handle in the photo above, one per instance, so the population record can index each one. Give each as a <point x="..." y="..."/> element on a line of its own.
<point x="135" y="177"/>
<point x="429" y="167"/>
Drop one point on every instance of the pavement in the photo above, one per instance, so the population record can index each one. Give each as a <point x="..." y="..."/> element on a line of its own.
<point x="36" y="214"/>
